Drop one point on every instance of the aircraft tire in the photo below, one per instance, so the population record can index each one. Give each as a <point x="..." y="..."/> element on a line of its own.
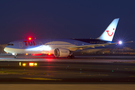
<point x="71" y="57"/>
<point x="15" y="57"/>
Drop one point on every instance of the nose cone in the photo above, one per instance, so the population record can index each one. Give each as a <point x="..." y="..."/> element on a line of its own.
<point x="6" y="49"/>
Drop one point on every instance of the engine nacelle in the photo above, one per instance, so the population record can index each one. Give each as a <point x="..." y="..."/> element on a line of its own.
<point x="60" y="52"/>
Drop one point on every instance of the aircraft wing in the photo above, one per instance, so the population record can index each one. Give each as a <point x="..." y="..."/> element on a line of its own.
<point x="73" y="48"/>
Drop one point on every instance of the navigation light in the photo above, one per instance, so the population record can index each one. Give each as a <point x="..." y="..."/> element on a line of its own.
<point x="120" y="42"/>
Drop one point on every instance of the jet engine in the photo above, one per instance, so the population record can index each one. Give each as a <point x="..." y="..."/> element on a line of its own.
<point x="60" y="52"/>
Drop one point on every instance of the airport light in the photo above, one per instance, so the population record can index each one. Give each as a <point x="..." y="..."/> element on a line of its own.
<point x="24" y="64"/>
<point x="31" y="64"/>
<point x="20" y="63"/>
<point x="35" y="64"/>
<point x="13" y="53"/>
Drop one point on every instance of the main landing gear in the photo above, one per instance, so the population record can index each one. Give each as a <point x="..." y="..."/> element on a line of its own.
<point x="15" y="56"/>
<point x="71" y="56"/>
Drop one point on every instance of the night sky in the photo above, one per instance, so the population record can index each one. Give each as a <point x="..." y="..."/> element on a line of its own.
<point x="46" y="19"/>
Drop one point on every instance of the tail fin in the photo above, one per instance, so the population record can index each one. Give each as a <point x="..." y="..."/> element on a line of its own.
<point x="108" y="34"/>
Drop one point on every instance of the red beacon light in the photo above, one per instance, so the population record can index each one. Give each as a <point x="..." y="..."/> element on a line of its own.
<point x="30" y="38"/>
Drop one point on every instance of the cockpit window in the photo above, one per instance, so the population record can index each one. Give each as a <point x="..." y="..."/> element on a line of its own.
<point x="10" y="44"/>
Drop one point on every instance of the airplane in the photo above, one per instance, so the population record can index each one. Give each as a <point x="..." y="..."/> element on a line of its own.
<point x="62" y="47"/>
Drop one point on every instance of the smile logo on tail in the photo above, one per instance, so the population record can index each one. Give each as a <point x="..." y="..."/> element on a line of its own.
<point x="111" y="33"/>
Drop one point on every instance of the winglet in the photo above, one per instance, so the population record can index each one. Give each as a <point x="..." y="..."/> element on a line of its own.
<point x="108" y="34"/>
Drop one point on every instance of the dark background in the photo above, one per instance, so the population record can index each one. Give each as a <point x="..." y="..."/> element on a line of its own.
<point x="45" y="19"/>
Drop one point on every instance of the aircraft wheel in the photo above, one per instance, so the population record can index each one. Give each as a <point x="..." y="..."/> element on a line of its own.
<point x="15" y="56"/>
<point x="71" y="56"/>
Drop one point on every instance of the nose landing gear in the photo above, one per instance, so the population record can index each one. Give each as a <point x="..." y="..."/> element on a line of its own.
<point x="15" y="55"/>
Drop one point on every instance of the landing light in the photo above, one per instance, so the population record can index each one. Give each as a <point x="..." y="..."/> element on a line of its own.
<point x="40" y="48"/>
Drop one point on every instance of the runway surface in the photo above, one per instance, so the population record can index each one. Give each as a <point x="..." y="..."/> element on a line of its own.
<point x="82" y="70"/>
<point x="98" y="59"/>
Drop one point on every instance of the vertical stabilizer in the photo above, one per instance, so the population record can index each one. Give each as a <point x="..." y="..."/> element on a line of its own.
<point x="108" y="34"/>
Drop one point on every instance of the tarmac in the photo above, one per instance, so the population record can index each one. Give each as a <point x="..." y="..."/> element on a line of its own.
<point x="90" y="72"/>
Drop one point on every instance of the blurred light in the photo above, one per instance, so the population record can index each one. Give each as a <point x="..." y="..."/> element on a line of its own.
<point x="26" y="53"/>
<point x="35" y="64"/>
<point x="20" y="63"/>
<point x="24" y="64"/>
<point x="120" y="42"/>
<point x="36" y="54"/>
<point x="49" y="54"/>
<point x="30" y="38"/>
<point x="31" y="64"/>
<point x="40" y="48"/>
<point x="13" y="53"/>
